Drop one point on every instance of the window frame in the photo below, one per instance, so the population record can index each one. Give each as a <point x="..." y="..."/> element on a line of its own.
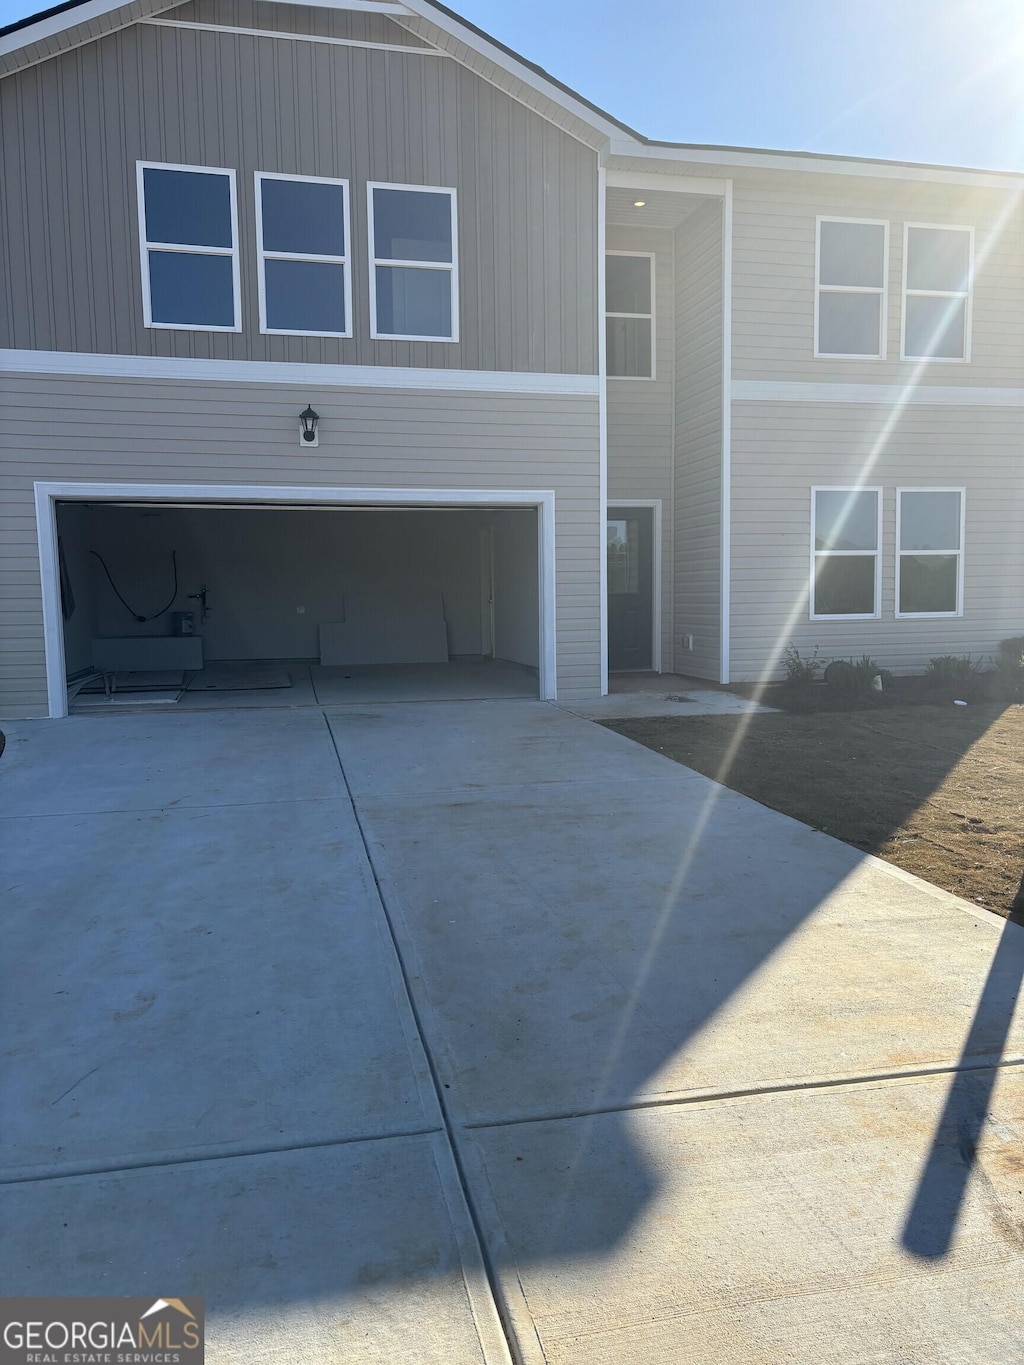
<point x="876" y="614"/>
<point x="145" y="246"/>
<point x="262" y="255"/>
<point x="453" y="267"/>
<point x="881" y="291"/>
<point x="967" y="295"/>
<point x="900" y="552"/>
<point x="651" y="257"/>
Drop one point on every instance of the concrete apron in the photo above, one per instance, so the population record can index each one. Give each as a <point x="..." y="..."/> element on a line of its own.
<point x="688" y="1056"/>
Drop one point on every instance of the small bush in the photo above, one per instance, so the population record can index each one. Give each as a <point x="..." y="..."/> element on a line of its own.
<point x="856" y="677"/>
<point x="954" y="671"/>
<point x="1008" y="668"/>
<point x="800" y="672"/>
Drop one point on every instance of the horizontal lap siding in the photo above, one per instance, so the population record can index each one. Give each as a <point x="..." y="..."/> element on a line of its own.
<point x="781" y="450"/>
<point x="698" y="484"/>
<point x="72" y="128"/>
<point x="163" y="432"/>
<point x="774" y="276"/>
<point x="641" y="414"/>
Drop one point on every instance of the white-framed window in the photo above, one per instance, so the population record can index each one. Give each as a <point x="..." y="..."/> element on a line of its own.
<point x="303" y="255"/>
<point x="629" y="314"/>
<point x="188" y="240"/>
<point x="938" y="273"/>
<point x="846" y="561"/>
<point x="414" y="263"/>
<point x="851" y="290"/>
<point x="930" y="551"/>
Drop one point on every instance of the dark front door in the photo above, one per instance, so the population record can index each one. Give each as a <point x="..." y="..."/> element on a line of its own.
<point x="630" y="587"/>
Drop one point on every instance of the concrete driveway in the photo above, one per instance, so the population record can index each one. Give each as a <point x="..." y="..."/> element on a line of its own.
<point x="402" y="1031"/>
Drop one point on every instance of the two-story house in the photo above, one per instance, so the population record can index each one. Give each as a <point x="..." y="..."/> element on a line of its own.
<point x="339" y="332"/>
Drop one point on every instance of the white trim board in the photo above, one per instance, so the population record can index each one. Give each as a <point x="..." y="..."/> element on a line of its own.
<point x="676" y="184"/>
<point x="725" y="569"/>
<point x="49" y="493"/>
<point x="80" y="364"/>
<point x="294" y="37"/>
<point x="657" y="552"/>
<point x="886" y="395"/>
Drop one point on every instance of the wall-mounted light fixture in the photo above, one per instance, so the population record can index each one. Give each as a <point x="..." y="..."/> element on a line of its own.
<point x="639" y="203"/>
<point x="308" y="422"/>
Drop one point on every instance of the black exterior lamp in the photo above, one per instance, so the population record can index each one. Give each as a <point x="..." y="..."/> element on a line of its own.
<point x="308" y="422"/>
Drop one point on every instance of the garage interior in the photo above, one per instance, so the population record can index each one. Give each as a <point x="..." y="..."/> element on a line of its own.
<point x="190" y="605"/>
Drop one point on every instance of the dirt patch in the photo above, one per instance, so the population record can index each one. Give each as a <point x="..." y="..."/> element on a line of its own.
<point x="937" y="790"/>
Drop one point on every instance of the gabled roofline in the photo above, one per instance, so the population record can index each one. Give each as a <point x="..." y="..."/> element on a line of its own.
<point x="623" y="140"/>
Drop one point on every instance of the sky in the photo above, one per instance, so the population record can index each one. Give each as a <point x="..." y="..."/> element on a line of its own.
<point x="912" y="80"/>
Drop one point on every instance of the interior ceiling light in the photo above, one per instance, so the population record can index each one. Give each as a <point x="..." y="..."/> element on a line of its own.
<point x="639" y="203"/>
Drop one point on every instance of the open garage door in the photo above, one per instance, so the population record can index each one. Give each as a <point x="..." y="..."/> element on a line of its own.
<point x="188" y="604"/>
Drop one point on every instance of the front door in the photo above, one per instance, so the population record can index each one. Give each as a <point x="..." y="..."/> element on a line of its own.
<point x="630" y="587"/>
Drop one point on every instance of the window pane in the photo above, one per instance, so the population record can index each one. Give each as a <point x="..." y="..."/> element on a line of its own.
<point x="629" y="348"/>
<point x="845" y="521"/>
<point x="623" y="557"/>
<point x="930" y="521"/>
<point x="844" y="585"/>
<point x="852" y="253"/>
<point x="935" y="327"/>
<point x="308" y="219"/>
<point x="305" y="296"/>
<point x="414" y="302"/>
<point x="928" y="583"/>
<point x="196" y="291"/>
<point x="412" y="225"/>
<point x="938" y="258"/>
<point x="628" y="284"/>
<point x="848" y="324"/>
<point x="187" y="207"/>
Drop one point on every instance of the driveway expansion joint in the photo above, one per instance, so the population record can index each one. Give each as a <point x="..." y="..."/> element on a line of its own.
<point x="75" y="1170"/>
<point x="751" y="1092"/>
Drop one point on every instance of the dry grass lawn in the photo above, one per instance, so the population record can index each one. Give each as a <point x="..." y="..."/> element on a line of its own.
<point x="937" y="790"/>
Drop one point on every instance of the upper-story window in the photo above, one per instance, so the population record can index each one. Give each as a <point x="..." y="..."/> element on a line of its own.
<point x="188" y="234"/>
<point x="845" y="558"/>
<point x="851" y="288"/>
<point x="629" y="308"/>
<point x="413" y="263"/>
<point x="302" y="247"/>
<point x="937" y="274"/>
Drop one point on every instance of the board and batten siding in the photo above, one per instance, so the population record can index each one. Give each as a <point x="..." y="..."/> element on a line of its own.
<point x="774" y="227"/>
<point x="781" y="450"/>
<point x="73" y="127"/>
<point x="698" y="478"/>
<point x="161" y="431"/>
<point x="641" y="415"/>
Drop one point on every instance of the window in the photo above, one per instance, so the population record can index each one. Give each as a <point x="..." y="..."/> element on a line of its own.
<point x="629" y="320"/>
<point x="414" y="263"/>
<point x="845" y="535"/>
<point x="937" y="273"/>
<point x="623" y="557"/>
<point x="850" y="316"/>
<point x="302" y="238"/>
<point x="929" y="560"/>
<point x="188" y="234"/>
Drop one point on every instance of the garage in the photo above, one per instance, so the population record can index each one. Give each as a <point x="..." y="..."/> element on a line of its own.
<point x="186" y="602"/>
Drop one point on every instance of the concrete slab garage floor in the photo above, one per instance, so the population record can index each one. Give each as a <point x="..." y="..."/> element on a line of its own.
<point x="708" y="1085"/>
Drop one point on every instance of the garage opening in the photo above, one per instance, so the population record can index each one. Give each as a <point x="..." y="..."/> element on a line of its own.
<point x="184" y="605"/>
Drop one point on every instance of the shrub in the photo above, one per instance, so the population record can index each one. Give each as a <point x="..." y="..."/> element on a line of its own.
<point x="1008" y="667"/>
<point x="954" y="671"/>
<point x="856" y="677"/>
<point x="800" y="672"/>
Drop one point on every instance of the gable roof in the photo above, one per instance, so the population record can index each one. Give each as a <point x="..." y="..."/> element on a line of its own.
<point x="75" y="22"/>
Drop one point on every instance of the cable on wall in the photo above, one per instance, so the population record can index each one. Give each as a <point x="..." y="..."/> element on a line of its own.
<point x="131" y="610"/>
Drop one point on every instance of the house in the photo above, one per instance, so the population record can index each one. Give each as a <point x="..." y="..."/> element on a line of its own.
<point x="341" y="332"/>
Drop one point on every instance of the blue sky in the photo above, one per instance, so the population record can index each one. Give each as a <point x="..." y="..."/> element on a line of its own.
<point x="916" y="80"/>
